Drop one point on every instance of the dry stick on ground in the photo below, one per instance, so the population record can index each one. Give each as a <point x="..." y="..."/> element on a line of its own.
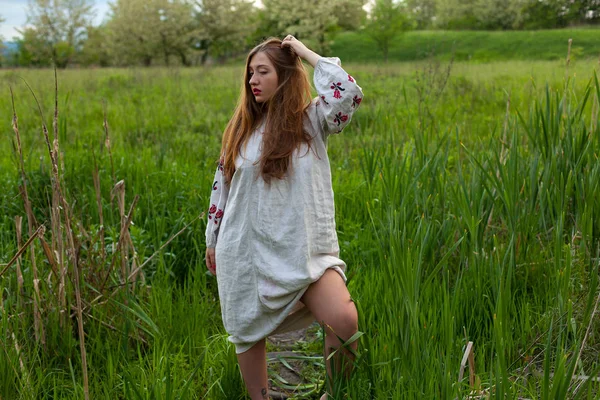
<point x="470" y="358"/>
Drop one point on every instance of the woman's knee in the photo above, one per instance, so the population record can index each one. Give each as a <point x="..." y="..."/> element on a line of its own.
<point x="345" y="322"/>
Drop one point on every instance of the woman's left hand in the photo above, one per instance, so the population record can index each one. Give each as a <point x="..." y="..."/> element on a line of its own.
<point x="300" y="49"/>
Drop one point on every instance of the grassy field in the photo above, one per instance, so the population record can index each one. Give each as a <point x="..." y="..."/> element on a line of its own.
<point x="474" y="46"/>
<point x="467" y="205"/>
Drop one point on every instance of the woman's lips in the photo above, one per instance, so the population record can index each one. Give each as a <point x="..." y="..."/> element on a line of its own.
<point x="256" y="91"/>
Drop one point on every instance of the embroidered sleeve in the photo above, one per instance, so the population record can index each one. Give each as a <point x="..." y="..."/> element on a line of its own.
<point x="218" y="199"/>
<point x="339" y="95"/>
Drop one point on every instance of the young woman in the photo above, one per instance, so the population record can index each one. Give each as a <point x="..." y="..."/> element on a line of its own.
<point x="271" y="237"/>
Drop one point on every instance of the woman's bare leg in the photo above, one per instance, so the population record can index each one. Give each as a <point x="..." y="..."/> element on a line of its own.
<point x="329" y="301"/>
<point x="253" y="364"/>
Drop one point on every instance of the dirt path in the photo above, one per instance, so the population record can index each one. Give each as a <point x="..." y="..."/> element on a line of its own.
<point x="295" y="364"/>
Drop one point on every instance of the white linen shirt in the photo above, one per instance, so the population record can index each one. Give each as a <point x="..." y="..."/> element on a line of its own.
<point x="273" y="240"/>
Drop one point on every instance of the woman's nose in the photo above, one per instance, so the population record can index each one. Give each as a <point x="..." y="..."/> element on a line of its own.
<point x="252" y="79"/>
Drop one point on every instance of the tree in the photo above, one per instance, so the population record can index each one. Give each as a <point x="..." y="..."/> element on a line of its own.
<point x="225" y="26"/>
<point x="546" y="14"/>
<point x="95" y="50"/>
<point x="61" y="24"/>
<point x="583" y="11"/>
<point x="307" y="20"/>
<point x="496" y="14"/>
<point x="350" y="14"/>
<point x="178" y="30"/>
<point x="141" y="31"/>
<point x="33" y="50"/>
<point x="386" y="21"/>
<point x="422" y="12"/>
<point x="131" y="31"/>
<point x="455" y="14"/>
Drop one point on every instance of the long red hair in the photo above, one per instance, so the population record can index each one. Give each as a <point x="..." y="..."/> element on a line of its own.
<point x="284" y="113"/>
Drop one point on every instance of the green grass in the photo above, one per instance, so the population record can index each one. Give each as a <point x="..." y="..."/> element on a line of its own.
<point x="458" y="222"/>
<point x="478" y="46"/>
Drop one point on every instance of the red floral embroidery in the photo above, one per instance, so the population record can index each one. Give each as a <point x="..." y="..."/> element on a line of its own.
<point x="356" y="101"/>
<point x="215" y="185"/>
<point x="221" y="163"/>
<point x="212" y="210"/>
<point x="337" y="88"/>
<point x="350" y="78"/>
<point x="323" y="98"/>
<point x="339" y="118"/>
<point x="218" y="216"/>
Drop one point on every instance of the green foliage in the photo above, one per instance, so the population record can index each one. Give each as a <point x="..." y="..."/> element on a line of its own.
<point x="459" y="221"/>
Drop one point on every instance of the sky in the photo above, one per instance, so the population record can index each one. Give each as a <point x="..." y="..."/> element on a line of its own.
<point x="14" y="13"/>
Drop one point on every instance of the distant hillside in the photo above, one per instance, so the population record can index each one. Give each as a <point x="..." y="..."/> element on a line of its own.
<point x="479" y="46"/>
<point x="9" y="47"/>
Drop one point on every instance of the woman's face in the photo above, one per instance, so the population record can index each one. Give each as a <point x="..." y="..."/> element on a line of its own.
<point x="263" y="77"/>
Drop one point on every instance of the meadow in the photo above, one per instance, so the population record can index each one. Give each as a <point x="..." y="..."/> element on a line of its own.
<point x="473" y="46"/>
<point x="467" y="206"/>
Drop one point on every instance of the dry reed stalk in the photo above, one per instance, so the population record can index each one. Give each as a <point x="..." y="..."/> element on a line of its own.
<point x="568" y="58"/>
<point x="40" y="337"/>
<point x="24" y="372"/>
<point x="18" y="226"/>
<point x="122" y="238"/>
<point x="22" y="249"/>
<point x="72" y="251"/>
<point x="595" y="108"/>
<point x="503" y="153"/>
<point x="120" y="195"/>
<point x="65" y="229"/>
<point x="96" y="178"/>
<point x="585" y="338"/>
<point x="135" y="261"/>
<point x="49" y="256"/>
<point x="135" y="271"/>
<point x="107" y="144"/>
